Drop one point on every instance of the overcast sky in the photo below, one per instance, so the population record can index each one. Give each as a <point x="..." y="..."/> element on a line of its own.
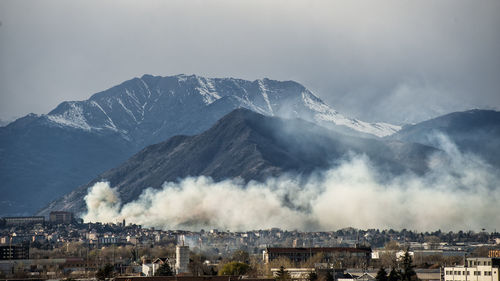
<point x="395" y="61"/>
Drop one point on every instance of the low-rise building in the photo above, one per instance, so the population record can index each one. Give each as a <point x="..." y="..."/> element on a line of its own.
<point x="475" y="269"/>
<point x="329" y="253"/>
<point x="295" y="273"/>
<point x="14" y="252"/>
<point x="23" y="220"/>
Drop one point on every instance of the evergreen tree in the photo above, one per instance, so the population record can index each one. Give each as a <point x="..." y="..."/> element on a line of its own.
<point x="282" y="275"/>
<point x="312" y="276"/>
<point x="393" y="275"/>
<point x="381" y="275"/>
<point x="329" y="276"/>
<point x="408" y="273"/>
<point x="105" y="272"/>
<point x="164" y="270"/>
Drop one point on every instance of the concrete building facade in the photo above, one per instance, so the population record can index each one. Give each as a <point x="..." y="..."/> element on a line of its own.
<point x="60" y="217"/>
<point x="23" y="220"/>
<point x="329" y="254"/>
<point x="181" y="259"/>
<point x="475" y="269"/>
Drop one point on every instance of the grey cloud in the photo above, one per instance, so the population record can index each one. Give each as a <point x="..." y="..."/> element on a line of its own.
<point x="415" y="59"/>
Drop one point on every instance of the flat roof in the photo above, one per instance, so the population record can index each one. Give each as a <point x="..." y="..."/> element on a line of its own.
<point x="318" y="250"/>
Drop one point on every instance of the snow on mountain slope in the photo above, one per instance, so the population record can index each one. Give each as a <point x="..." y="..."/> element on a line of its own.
<point x="150" y="102"/>
<point x="325" y="113"/>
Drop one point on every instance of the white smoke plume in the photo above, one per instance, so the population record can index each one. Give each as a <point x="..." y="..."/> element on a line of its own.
<point x="460" y="193"/>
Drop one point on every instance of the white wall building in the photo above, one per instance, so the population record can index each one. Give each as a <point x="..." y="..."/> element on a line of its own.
<point x="148" y="269"/>
<point x="476" y="269"/>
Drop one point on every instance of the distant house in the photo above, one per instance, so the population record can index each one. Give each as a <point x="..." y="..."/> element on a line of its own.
<point x="363" y="277"/>
<point x="149" y="267"/>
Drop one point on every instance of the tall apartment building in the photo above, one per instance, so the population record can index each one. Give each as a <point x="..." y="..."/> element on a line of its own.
<point x="475" y="269"/>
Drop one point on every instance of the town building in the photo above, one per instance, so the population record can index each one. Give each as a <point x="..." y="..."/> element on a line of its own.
<point x="23" y="220"/>
<point x="149" y="267"/>
<point x="330" y="254"/>
<point x="295" y="273"/>
<point x="181" y="259"/>
<point x="363" y="277"/>
<point x="109" y="240"/>
<point x="14" y="252"/>
<point x="475" y="269"/>
<point x="60" y="217"/>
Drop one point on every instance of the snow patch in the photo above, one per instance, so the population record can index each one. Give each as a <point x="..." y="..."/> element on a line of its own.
<point x="324" y="113"/>
<point x="249" y="105"/>
<point x="126" y="109"/>
<point x="73" y="117"/>
<point x="147" y="88"/>
<point x="263" y="90"/>
<point x="110" y="121"/>
<point x="207" y="90"/>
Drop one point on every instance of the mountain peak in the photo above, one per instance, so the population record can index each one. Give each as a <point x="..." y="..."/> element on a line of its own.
<point x="154" y="101"/>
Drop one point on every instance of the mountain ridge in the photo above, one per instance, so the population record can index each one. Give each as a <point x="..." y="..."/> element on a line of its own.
<point x="247" y="145"/>
<point x="473" y="131"/>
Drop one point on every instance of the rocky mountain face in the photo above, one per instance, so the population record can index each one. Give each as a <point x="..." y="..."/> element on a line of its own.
<point x="43" y="157"/>
<point x="250" y="146"/>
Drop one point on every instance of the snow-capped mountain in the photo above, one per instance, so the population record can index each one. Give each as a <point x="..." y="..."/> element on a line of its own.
<point x="166" y="105"/>
<point x="46" y="156"/>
